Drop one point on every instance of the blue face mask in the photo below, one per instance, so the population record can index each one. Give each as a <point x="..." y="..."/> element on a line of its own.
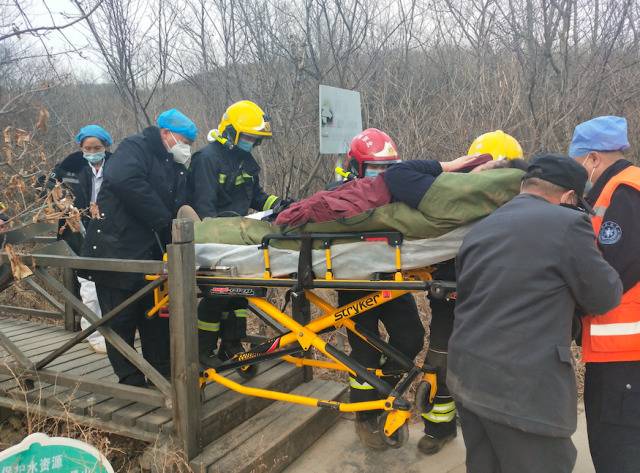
<point x="94" y="158"/>
<point x="245" y="145"/>
<point x="372" y="172"/>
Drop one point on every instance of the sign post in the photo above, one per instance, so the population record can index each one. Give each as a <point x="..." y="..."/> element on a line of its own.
<point x="340" y="119"/>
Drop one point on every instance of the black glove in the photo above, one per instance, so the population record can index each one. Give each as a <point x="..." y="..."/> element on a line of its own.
<point x="46" y="183"/>
<point x="282" y="204"/>
<point x="279" y="206"/>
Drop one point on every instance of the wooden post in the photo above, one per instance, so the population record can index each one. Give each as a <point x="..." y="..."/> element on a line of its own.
<point x="184" y="338"/>
<point x="68" y="279"/>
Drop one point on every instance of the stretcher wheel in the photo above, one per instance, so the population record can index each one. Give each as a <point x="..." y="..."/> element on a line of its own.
<point x="247" y="371"/>
<point x="398" y="438"/>
<point x="422" y="397"/>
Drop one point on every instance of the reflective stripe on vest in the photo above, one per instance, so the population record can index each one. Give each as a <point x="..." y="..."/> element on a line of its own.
<point x="242" y="178"/>
<point x="614" y="336"/>
<point x="629" y="328"/>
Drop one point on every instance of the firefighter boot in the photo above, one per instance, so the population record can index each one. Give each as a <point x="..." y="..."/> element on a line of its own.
<point x="440" y="422"/>
<point x="230" y="348"/>
<point x="431" y="445"/>
<point x="233" y="330"/>
<point x="208" y="333"/>
<point x="367" y="424"/>
<point x="207" y="342"/>
<point x="368" y="430"/>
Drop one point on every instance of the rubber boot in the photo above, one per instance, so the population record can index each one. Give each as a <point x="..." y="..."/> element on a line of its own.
<point x="439" y="424"/>
<point x="229" y="348"/>
<point x="369" y="432"/>
<point x="207" y="345"/>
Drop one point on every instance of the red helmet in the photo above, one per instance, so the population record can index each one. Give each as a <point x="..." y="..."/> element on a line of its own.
<point x="371" y="146"/>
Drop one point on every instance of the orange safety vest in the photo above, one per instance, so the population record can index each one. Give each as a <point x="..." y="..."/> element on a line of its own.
<point x="614" y="336"/>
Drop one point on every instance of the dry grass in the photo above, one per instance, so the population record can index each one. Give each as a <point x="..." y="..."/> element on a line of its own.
<point x="123" y="453"/>
<point x="126" y="455"/>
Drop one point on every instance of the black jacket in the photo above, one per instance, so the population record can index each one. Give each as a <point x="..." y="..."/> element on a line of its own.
<point x="521" y="273"/>
<point x="225" y="183"/>
<point x="75" y="172"/>
<point x="141" y="192"/>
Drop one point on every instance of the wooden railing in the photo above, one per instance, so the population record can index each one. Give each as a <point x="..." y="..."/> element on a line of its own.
<point x="181" y="393"/>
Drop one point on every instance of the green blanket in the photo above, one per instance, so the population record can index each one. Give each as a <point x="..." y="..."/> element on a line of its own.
<point x="452" y="201"/>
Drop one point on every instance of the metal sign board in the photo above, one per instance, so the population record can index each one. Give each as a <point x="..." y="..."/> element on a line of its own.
<point x="340" y="119"/>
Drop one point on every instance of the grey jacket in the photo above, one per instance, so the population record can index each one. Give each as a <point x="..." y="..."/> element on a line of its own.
<point x="522" y="272"/>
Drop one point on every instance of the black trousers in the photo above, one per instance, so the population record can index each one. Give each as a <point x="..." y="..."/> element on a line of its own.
<point x="612" y="406"/>
<point x="497" y="448"/>
<point x="406" y="333"/>
<point x="221" y="318"/>
<point x="154" y="334"/>
<point x="441" y="421"/>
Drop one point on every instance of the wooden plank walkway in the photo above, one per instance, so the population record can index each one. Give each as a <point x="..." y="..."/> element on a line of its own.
<point x="222" y="410"/>
<point x="78" y="385"/>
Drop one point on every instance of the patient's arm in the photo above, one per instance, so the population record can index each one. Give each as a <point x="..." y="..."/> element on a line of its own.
<point x="465" y="162"/>
<point x="410" y="180"/>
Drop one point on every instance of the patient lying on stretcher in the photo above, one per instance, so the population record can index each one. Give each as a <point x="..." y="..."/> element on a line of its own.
<point x="406" y="182"/>
<point x="435" y="202"/>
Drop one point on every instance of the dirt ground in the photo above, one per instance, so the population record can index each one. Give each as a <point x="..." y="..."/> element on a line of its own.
<point x="340" y="450"/>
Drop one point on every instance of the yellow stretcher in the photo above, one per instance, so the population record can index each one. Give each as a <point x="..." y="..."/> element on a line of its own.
<point x="301" y="334"/>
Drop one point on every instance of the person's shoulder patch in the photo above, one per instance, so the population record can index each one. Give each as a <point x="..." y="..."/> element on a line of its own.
<point x="610" y="233"/>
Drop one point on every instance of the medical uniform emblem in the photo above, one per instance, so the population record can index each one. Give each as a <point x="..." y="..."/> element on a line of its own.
<point x="610" y="233"/>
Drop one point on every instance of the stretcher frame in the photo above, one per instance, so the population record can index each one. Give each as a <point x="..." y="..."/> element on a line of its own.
<point x="303" y="334"/>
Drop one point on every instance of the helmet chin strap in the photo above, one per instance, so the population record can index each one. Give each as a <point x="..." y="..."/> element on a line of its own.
<point x="229" y="142"/>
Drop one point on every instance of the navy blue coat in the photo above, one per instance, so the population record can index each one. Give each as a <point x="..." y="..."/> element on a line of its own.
<point x="140" y="195"/>
<point x="226" y="183"/>
<point x="75" y="173"/>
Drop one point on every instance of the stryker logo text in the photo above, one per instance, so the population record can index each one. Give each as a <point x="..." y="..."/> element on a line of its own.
<point x="357" y="307"/>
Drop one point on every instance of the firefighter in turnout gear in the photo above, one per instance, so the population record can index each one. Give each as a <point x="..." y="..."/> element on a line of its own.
<point x="440" y="422"/>
<point x="224" y="182"/>
<point x="370" y="154"/>
<point x="409" y="182"/>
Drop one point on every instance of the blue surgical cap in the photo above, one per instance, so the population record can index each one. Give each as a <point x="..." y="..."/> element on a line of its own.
<point x="176" y="121"/>
<point x="96" y="131"/>
<point x="608" y="133"/>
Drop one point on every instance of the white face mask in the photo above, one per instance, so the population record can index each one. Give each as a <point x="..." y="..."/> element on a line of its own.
<point x="181" y="152"/>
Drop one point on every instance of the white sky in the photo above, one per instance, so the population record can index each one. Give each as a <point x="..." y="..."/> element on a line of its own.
<point x="69" y="39"/>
